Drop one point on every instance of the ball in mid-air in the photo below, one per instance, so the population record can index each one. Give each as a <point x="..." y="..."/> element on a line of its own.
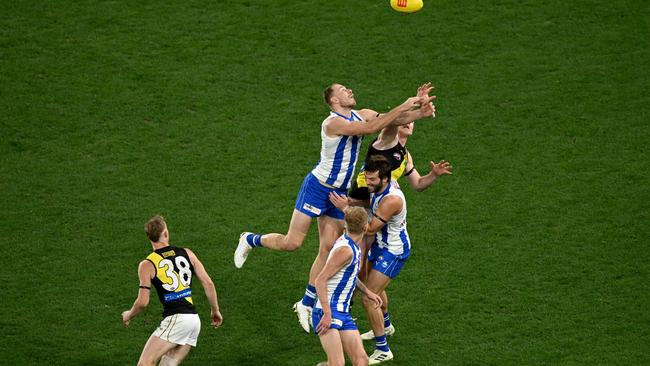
<point x="406" y="6"/>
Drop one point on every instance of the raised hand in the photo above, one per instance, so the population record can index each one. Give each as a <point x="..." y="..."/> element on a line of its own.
<point x="428" y="109"/>
<point x="424" y="90"/>
<point x="440" y="168"/>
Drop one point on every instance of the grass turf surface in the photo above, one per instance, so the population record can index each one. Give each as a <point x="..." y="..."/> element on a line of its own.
<point x="533" y="253"/>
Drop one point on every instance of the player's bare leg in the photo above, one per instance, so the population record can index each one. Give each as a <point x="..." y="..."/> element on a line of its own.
<point x="175" y="356"/>
<point x="377" y="283"/>
<point x="331" y="342"/>
<point x="390" y="330"/>
<point x="366" y="243"/>
<point x="384" y="301"/>
<point x="329" y="229"/>
<point x="153" y="350"/>
<point x="353" y="347"/>
<point x="298" y="229"/>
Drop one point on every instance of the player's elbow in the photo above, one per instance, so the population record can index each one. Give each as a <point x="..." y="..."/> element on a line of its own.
<point x="207" y="284"/>
<point x="419" y="188"/>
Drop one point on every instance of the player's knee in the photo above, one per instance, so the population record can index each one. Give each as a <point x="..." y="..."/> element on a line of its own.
<point x="168" y="361"/>
<point x="367" y="302"/>
<point x="146" y="363"/>
<point x="360" y="359"/>
<point x="292" y="245"/>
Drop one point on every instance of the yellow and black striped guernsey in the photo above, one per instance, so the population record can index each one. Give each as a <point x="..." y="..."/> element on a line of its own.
<point x="173" y="280"/>
<point x="397" y="157"/>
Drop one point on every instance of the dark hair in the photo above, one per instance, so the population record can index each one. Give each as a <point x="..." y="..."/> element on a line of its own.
<point x="155" y="227"/>
<point x="327" y="94"/>
<point x="378" y="163"/>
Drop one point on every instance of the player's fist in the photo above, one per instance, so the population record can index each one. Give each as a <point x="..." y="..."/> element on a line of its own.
<point x="125" y="317"/>
<point x="216" y="318"/>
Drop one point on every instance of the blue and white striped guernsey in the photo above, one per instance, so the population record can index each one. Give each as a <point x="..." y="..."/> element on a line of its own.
<point x="338" y="155"/>
<point x="340" y="287"/>
<point x="393" y="235"/>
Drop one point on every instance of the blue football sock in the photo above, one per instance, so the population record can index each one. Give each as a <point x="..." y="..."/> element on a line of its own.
<point x="254" y="240"/>
<point x="310" y="296"/>
<point x="386" y="319"/>
<point x="381" y="343"/>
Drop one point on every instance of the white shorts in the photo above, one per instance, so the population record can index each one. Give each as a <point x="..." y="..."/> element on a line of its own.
<point x="180" y="329"/>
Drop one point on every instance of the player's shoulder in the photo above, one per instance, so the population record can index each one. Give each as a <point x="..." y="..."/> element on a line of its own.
<point x="342" y="245"/>
<point x="146" y="265"/>
<point x="394" y="197"/>
<point x="367" y="113"/>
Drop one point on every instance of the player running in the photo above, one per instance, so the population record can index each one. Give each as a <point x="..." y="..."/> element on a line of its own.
<point x="171" y="269"/>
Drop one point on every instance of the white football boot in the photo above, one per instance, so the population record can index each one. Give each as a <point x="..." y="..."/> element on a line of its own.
<point x="304" y="315"/>
<point x="243" y="248"/>
<point x="379" y="357"/>
<point x="371" y="335"/>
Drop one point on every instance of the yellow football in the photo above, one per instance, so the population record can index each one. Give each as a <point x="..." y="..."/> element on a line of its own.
<point x="406" y="6"/>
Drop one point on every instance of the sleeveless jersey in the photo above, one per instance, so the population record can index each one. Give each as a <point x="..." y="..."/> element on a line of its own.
<point x="340" y="287"/>
<point x="393" y="235"/>
<point x="173" y="280"/>
<point x="397" y="157"/>
<point x="338" y="155"/>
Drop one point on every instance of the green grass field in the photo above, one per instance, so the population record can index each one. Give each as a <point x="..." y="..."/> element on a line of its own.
<point x="535" y="252"/>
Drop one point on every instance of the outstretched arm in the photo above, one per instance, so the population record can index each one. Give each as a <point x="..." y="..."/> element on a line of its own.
<point x="427" y="109"/>
<point x="146" y="272"/>
<point x="208" y="287"/>
<point x="339" y="126"/>
<point x="388" y="135"/>
<point x="420" y="183"/>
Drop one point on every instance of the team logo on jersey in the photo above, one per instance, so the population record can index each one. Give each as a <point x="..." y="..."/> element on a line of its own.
<point x="381" y="258"/>
<point x="168" y="253"/>
<point x="397" y="156"/>
<point x="384" y="264"/>
<point x="312" y="209"/>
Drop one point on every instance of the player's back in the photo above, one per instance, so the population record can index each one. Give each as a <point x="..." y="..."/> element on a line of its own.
<point x="173" y="280"/>
<point x="338" y="155"/>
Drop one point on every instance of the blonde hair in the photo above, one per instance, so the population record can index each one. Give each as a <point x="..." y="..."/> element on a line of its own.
<point x="355" y="219"/>
<point x="155" y="227"/>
